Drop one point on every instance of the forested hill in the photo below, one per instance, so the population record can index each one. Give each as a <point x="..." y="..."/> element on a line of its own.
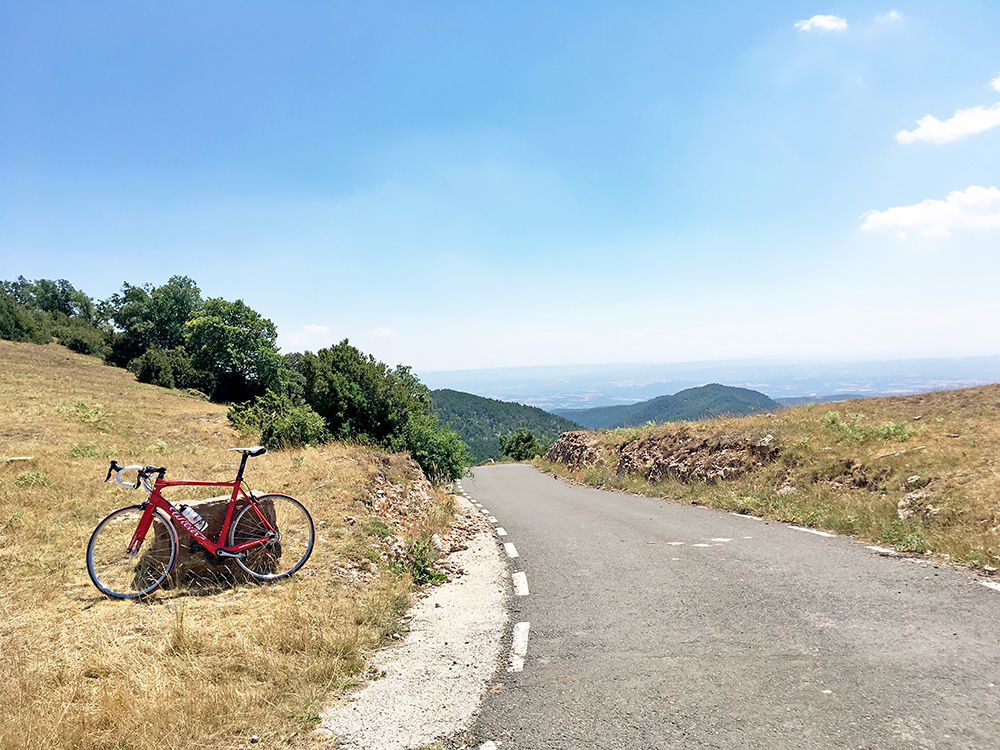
<point x="481" y="422"/>
<point x="687" y="405"/>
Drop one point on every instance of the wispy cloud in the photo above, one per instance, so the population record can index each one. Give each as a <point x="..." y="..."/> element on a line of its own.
<point x="309" y="337"/>
<point x="381" y="333"/>
<point x="975" y="208"/>
<point x="822" y="23"/>
<point x="964" y="122"/>
<point x="995" y="84"/>
<point x="891" y="17"/>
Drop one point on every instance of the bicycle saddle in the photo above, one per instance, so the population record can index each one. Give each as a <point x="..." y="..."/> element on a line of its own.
<point x="257" y="450"/>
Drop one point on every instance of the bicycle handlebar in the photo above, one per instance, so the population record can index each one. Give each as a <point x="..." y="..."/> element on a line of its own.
<point x="142" y="474"/>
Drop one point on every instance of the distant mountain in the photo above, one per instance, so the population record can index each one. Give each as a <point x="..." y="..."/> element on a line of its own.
<point x="481" y="422"/>
<point x="799" y="400"/>
<point x="687" y="405"/>
<point x="587" y="386"/>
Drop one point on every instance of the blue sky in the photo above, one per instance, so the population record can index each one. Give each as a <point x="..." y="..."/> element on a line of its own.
<point x="477" y="184"/>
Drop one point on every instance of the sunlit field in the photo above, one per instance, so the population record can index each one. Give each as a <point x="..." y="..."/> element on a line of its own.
<point x="211" y="662"/>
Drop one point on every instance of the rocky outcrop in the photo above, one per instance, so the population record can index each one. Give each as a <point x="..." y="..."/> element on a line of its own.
<point x="577" y="450"/>
<point x="689" y="457"/>
<point x="681" y="454"/>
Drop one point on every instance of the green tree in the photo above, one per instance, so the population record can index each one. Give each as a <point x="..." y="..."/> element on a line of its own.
<point x="521" y="445"/>
<point x="147" y="317"/>
<point x="233" y="350"/>
<point x="360" y="397"/>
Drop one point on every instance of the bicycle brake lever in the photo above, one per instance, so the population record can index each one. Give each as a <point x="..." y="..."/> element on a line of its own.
<point x="114" y="467"/>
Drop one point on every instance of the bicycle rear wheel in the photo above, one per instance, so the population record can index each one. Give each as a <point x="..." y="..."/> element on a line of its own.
<point x="124" y="575"/>
<point x="290" y="545"/>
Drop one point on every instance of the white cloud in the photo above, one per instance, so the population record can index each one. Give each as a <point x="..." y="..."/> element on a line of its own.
<point x="890" y="17"/>
<point x="975" y="208"/>
<point x="381" y="333"/>
<point x="963" y="123"/>
<point x="307" y="338"/>
<point x="995" y="84"/>
<point x="822" y="23"/>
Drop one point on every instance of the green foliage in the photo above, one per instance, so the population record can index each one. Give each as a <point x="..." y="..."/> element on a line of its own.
<point x="691" y="404"/>
<point x="852" y="429"/>
<point x="277" y="422"/>
<point x="234" y="349"/>
<point x="522" y="445"/>
<point x="905" y="536"/>
<point x="80" y="411"/>
<point x="481" y="422"/>
<point x="439" y="451"/>
<point x="167" y="368"/>
<point x="150" y="317"/>
<point x="92" y="450"/>
<point x="34" y="311"/>
<point x="359" y="396"/>
<point x="18" y="324"/>
<point x="32" y="479"/>
<point x="417" y="560"/>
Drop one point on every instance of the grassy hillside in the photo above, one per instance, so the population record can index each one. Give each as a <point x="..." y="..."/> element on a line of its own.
<point x="206" y="664"/>
<point x="690" y="404"/>
<point x="917" y="473"/>
<point x="482" y="421"/>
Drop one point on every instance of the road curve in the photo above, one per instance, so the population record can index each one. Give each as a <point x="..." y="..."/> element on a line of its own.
<point x="656" y="625"/>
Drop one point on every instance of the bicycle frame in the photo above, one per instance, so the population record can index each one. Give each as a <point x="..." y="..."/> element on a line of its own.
<point x="156" y="502"/>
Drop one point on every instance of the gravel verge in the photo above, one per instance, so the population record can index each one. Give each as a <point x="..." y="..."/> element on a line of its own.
<point x="435" y="679"/>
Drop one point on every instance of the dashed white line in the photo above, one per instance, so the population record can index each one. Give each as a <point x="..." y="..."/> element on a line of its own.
<point x="492" y="519"/>
<point x="520" y="583"/>
<point x="489" y="745"/>
<point x="501" y="531"/>
<point x="510" y="549"/>
<point x="812" y="531"/>
<point x="748" y="517"/>
<point x="991" y="585"/>
<point x="485" y="512"/>
<point x="519" y="647"/>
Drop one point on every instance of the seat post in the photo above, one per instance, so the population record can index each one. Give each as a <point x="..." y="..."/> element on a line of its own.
<point x="243" y="464"/>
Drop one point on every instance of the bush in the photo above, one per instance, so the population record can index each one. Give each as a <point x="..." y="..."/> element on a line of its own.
<point x="521" y="445"/>
<point x="439" y="451"/>
<point x="167" y="368"/>
<point x="278" y="423"/>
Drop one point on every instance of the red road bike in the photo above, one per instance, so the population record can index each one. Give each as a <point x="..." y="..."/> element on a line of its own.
<point x="269" y="536"/>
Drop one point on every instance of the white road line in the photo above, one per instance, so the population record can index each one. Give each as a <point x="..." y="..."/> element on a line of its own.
<point x="883" y="551"/>
<point x="489" y="745"/>
<point x="520" y="583"/>
<point x="501" y="531"/>
<point x="485" y="512"/>
<point x="519" y="647"/>
<point x="744" y="515"/>
<point x="811" y="531"/>
<point x="510" y="549"/>
<point x="491" y="519"/>
<point x="991" y="585"/>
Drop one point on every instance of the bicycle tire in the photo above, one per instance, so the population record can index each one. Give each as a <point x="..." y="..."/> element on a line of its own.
<point x="121" y="575"/>
<point x="288" y="551"/>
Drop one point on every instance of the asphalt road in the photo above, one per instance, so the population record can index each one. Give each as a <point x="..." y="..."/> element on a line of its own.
<point x="655" y="625"/>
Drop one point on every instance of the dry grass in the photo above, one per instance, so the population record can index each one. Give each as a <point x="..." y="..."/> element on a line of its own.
<point x="845" y="467"/>
<point x="199" y="666"/>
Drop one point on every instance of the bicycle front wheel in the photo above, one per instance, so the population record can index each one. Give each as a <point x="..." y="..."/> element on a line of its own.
<point x="290" y="528"/>
<point x="129" y="575"/>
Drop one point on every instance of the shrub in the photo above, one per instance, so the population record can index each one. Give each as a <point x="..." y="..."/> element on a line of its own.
<point x="278" y="422"/>
<point x="521" y="445"/>
<point x="439" y="451"/>
<point x="168" y="368"/>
